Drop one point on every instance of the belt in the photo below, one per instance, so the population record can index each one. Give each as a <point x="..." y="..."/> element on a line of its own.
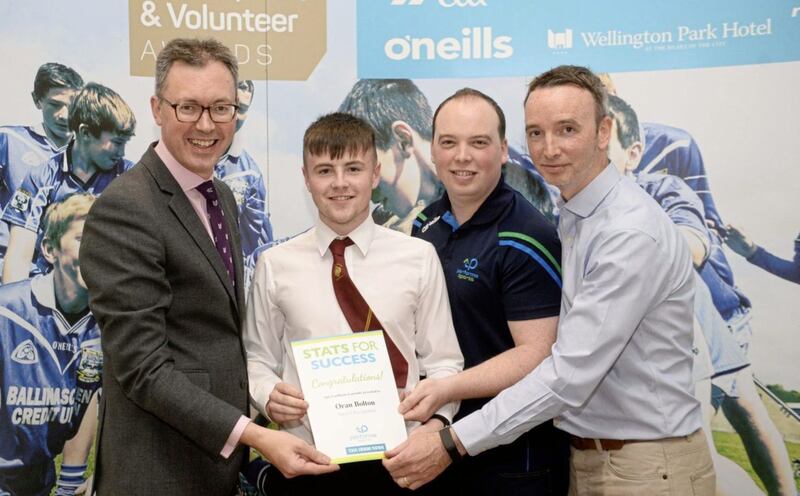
<point x="582" y="443"/>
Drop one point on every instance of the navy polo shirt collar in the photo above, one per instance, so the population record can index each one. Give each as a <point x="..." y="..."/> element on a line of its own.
<point x="490" y="210"/>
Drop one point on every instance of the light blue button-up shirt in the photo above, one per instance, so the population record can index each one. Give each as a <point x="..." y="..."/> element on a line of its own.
<point x="621" y="367"/>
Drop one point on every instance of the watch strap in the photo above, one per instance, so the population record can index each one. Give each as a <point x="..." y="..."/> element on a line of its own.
<point x="449" y="444"/>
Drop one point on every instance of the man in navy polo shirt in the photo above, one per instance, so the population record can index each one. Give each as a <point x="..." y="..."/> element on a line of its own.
<point x="500" y="258"/>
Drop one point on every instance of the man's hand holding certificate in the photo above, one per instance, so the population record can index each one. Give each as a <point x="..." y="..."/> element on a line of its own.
<point x="352" y="398"/>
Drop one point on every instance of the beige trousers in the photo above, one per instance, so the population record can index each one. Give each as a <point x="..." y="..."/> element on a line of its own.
<point x="679" y="466"/>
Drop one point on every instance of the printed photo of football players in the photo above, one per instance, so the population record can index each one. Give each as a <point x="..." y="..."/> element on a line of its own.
<point x="51" y="363"/>
<point x="101" y="124"/>
<point x="24" y="147"/>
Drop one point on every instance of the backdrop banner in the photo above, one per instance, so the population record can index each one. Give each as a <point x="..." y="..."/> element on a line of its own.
<point x="706" y="109"/>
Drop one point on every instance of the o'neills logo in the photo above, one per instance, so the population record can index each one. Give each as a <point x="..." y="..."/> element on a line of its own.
<point x="276" y="39"/>
<point x="474" y="43"/>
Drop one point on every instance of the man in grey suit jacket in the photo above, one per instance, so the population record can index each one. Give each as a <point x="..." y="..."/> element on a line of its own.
<point x="170" y="304"/>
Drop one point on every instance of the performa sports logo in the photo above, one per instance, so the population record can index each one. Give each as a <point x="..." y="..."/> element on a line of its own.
<point x="444" y="3"/>
<point x="467" y="273"/>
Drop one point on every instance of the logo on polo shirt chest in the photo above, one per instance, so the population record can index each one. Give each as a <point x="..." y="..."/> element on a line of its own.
<point x="467" y="271"/>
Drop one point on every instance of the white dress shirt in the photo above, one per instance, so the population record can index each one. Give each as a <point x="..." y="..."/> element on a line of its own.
<point x="292" y="298"/>
<point x="621" y="367"/>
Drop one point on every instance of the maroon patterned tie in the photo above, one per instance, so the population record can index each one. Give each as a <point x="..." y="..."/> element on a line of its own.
<point x="216" y="217"/>
<point x="357" y="311"/>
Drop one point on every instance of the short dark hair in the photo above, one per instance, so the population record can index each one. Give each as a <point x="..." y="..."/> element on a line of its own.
<point x="574" y="75"/>
<point x="473" y="93"/>
<point x="101" y="109"/>
<point x="338" y="134"/>
<point x="54" y="75"/>
<point x="194" y="52"/>
<point x="381" y="102"/>
<point x="623" y="114"/>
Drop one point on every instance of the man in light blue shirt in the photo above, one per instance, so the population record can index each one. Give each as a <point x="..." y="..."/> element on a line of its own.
<point x="619" y="379"/>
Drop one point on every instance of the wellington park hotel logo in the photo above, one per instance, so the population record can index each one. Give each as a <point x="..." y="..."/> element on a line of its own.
<point x="683" y="35"/>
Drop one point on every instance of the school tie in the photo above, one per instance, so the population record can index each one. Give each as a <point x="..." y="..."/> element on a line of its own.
<point x="358" y="313"/>
<point x="216" y="217"/>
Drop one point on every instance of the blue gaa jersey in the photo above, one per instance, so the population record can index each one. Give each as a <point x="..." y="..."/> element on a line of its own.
<point x="48" y="183"/>
<point x="718" y="276"/>
<point x="501" y="265"/>
<point x="21" y="149"/>
<point x="241" y="174"/>
<point x="684" y="208"/>
<point x="48" y="373"/>
<point x="681" y="204"/>
<point x="669" y="150"/>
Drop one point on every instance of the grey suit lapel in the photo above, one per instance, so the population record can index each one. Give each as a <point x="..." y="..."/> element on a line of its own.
<point x="187" y="216"/>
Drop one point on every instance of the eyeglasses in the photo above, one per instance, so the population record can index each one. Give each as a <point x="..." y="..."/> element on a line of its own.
<point x="191" y="112"/>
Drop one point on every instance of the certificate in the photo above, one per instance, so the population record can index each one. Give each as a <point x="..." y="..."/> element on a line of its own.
<point x="352" y="399"/>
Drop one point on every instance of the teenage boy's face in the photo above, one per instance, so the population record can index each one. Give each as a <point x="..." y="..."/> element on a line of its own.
<point x="54" y="108"/>
<point x="65" y="257"/>
<point x="105" y="150"/>
<point x="341" y="188"/>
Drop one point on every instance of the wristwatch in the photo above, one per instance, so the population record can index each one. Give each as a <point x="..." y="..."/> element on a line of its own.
<point x="449" y="443"/>
<point x="442" y="419"/>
